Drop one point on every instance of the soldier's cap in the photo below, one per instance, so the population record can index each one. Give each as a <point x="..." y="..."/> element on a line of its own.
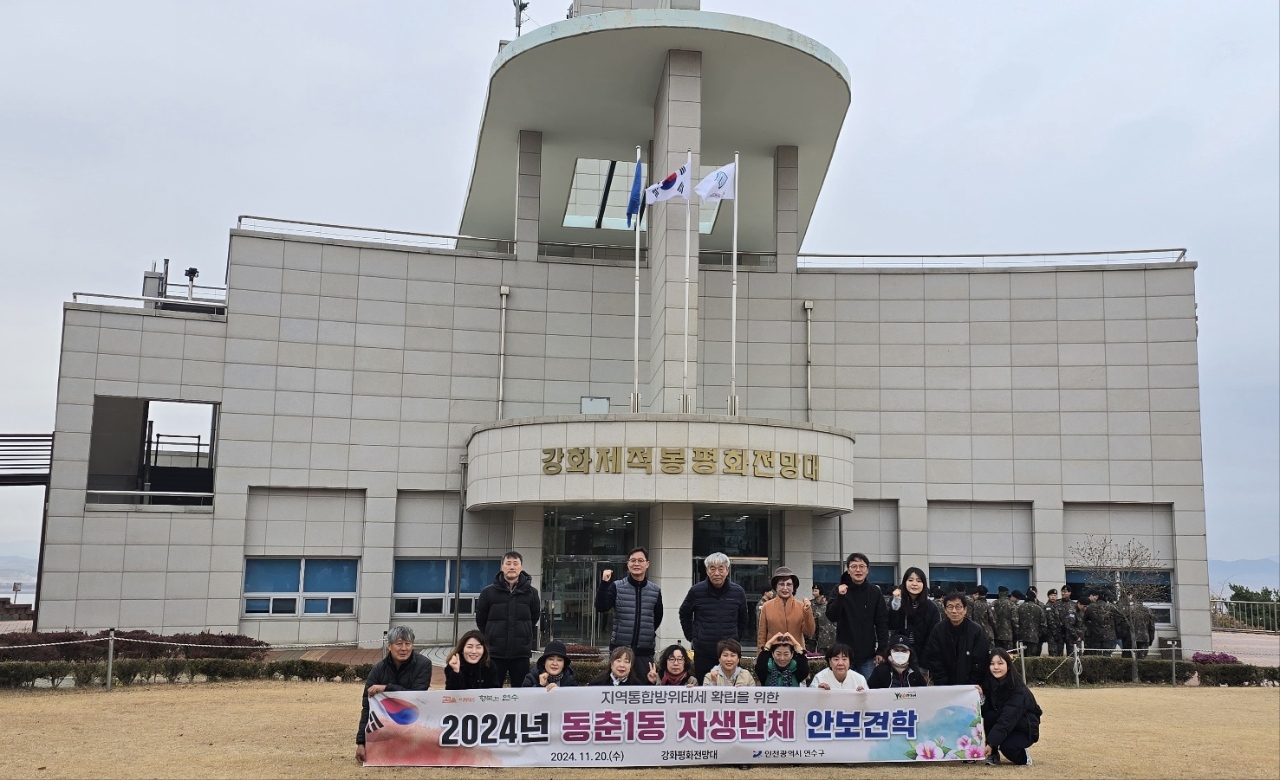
<point x="1002" y="589"/>
<point x="1053" y="591"/>
<point x="1017" y="594"/>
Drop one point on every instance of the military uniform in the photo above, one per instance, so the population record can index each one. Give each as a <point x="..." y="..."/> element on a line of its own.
<point x="1142" y="627"/>
<point x="983" y="616"/>
<point x="1060" y="619"/>
<point x="1031" y="626"/>
<point x="826" y="630"/>
<point x="1006" y="619"/>
<point x="1099" y="629"/>
<point x="1121" y="621"/>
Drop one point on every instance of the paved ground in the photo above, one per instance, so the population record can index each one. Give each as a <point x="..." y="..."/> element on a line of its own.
<point x="1258" y="649"/>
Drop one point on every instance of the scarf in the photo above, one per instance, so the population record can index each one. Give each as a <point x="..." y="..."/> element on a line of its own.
<point x="667" y="679"/>
<point x="782" y="678"/>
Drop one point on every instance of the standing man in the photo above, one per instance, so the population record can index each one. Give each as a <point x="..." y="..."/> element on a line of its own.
<point x="1032" y="626"/>
<point x="637" y="608"/>
<point x="1142" y="626"/>
<point x="784" y="614"/>
<point x="1055" y="621"/>
<point x="507" y="612"/>
<point x="982" y="614"/>
<point x="1006" y="619"/>
<point x="862" y="618"/>
<point x="713" y="609"/>
<point x="1099" y="626"/>
<point x="957" y="651"/>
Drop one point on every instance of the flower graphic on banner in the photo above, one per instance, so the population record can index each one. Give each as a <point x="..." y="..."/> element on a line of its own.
<point x="957" y="735"/>
<point x="930" y="751"/>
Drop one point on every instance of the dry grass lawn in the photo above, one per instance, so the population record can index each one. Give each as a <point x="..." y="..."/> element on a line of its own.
<point x="278" y="729"/>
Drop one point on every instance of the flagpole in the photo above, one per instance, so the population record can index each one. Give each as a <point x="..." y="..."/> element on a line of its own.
<point x="733" y="304"/>
<point x="688" y="209"/>
<point x="635" y="350"/>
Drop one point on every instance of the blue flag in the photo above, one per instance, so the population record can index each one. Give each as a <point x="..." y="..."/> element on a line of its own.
<point x="633" y="205"/>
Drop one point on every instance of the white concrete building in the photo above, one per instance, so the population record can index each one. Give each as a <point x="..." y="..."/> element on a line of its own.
<point x="389" y="413"/>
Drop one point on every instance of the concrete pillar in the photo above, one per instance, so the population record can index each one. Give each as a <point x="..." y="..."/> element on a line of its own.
<point x="526" y="539"/>
<point x="528" y="194"/>
<point x="376" y="564"/>
<point x="1048" y="545"/>
<point x="786" y="206"/>
<point x="677" y="121"/>
<point x="797" y="547"/>
<point x="913" y="530"/>
<point x="671" y="563"/>
<point x="1191" y="576"/>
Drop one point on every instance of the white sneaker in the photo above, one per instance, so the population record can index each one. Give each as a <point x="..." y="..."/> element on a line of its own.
<point x="1029" y="761"/>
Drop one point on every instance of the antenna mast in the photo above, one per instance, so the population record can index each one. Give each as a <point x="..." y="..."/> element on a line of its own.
<point x="520" y="6"/>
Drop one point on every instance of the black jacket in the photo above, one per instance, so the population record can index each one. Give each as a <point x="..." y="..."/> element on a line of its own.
<point x="566" y="678"/>
<point x="508" y="616"/>
<point x="861" y="618"/>
<point x="471" y="676"/>
<point x="412" y="675"/>
<point x="916" y="624"/>
<point x="957" y="655"/>
<point x="885" y="676"/>
<point x="709" y="614"/>
<point x="1008" y="706"/>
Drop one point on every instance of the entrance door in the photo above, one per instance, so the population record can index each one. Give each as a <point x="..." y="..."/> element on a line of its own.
<point x="753" y="575"/>
<point x="569" y="612"/>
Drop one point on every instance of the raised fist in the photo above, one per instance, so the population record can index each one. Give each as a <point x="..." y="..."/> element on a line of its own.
<point x="843" y="589"/>
<point x="807" y="603"/>
<point x="455" y="663"/>
<point x="542" y="679"/>
<point x="607" y="574"/>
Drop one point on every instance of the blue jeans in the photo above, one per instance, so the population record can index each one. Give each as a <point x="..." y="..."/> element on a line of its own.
<point x="864" y="667"/>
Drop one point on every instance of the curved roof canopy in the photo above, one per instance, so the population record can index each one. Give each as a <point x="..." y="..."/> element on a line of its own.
<point x="589" y="84"/>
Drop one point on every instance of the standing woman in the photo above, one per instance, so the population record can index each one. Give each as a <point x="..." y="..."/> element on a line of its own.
<point x="1010" y="714"/>
<point x="675" y="668"/>
<point x="469" y="665"/>
<point x="916" y="614"/>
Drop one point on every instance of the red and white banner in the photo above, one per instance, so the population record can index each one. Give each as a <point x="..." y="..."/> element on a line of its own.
<point x="665" y="726"/>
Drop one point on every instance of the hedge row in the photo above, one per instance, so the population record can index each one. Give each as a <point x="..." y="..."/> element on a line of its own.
<point x="127" y="671"/>
<point x="212" y="646"/>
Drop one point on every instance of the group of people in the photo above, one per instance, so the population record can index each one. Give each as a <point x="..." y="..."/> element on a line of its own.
<point x="923" y="649"/>
<point x="1096" y="623"/>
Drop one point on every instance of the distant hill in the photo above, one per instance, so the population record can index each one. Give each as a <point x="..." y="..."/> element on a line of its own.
<point x="14" y="569"/>
<point x="1254" y="574"/>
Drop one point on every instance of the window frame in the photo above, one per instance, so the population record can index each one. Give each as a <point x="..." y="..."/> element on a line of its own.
<point x="1154" y="606"/>
<point x="276" y="601"/>
<point x="467" y="598"/>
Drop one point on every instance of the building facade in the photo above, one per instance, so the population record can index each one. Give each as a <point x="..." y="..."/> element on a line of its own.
<point x="389" y="414"/>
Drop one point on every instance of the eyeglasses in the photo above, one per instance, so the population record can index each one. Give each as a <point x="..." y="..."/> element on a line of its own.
<point x="637" y="560"/>
<point x="954" y="608"/>
<point x="857" y="566"/>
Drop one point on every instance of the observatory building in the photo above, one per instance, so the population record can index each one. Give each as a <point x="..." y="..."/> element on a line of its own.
<point x="383" y="414"/>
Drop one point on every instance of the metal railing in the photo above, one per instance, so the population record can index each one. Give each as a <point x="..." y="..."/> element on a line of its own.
<point x="161" y="304"/>
<point x="148" y="497"/>
<point x="1114" y="257"/>
<point x="25" y="458"/>
<point x="375" y="235"/>
<point x="1229" y="615"/>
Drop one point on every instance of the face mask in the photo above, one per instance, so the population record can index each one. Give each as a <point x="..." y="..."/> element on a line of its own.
<point x="900" y="659"/>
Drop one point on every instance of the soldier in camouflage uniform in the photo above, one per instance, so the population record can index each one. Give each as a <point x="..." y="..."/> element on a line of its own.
<point x="982" y="614"/>
<point x="1031" y="624"/>
<point x="1006" y="619"/>
<point x="1057" y="615"/>
<point x="1119" y="619"/>
<point x="1099" y="627"/>
<point x="1142" y="626"/>
<point x="825" y="635"/>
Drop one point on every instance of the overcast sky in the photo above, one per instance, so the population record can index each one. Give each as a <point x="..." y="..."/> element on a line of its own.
<point x="134" y="131"/>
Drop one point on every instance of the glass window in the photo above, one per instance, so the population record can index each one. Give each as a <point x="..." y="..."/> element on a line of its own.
<point x="1013" y="579"/>
<point x="884" y="576"/>
<point x="948" y="577"/>
<point x="594" y="405"/>
<point x="425" y="586"/>
<point x="827" y="575"/>
<point x="291" y="577"/>
<point x="737" y="534"/>
<point x="610" y="181"/>
<point x="414" y="576"/>
<point x="329" y="575"/>
<point x="271" y="575"/>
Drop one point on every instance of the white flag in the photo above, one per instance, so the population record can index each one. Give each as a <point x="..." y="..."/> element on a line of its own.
<point x="674" y="186"/>
<point x="722" y="184"/>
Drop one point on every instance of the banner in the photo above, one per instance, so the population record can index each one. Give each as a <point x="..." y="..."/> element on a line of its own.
<point x="667" y="726"/>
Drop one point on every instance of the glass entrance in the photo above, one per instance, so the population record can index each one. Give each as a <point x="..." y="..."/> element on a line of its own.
<point x="578" y="544"/>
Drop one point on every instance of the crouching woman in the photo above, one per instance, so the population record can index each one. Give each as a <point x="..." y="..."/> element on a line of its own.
<point x="1010" y="714"/>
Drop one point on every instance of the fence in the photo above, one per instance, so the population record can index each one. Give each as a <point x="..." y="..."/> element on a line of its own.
<point x="1245" y="615"/>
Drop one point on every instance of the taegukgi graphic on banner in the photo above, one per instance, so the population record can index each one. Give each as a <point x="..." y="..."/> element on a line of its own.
<point x="668" y="726"/>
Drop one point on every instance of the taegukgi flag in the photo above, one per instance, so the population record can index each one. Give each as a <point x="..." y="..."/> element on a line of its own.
<point x="722" y="184"/>
<point x="675" y="185"/>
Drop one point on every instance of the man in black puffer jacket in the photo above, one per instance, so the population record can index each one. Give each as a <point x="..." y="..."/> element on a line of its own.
<point x="957" y="651"/>
<point x="713" y="609"/>
<point x="507" y="612"/>
<point x="861" y="616"/>
<point x="400" y="670"/>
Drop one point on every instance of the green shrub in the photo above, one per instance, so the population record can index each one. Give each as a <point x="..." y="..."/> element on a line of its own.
<point x="215" y="669"/>
<point x="128" y="670"/>
<point x="361" y="671"/>
<point x="57" y="672"/>
<point x="306" y="670"/>
<point x="586" y="671"/>
<point x="1270" y="673"/>
<point x="174" y="668"/>
<point x="17" y="674"/>
<point x="1228" y="674"/>
<point x="86" y="673"/>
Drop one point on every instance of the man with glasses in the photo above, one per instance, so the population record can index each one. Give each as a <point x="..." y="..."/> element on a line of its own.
<point x="861" y="616"/>
<point x="713" y="609"/>
<point x="637" y="609"/>
<point x="957" y="652"/>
